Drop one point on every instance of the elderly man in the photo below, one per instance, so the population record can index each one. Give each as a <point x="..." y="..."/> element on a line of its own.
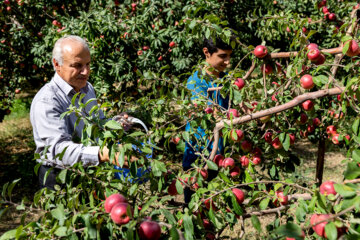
<point x="52" y="135"/>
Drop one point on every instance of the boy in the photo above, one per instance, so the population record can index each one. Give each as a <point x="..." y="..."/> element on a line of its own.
<point x="217" y="56"/>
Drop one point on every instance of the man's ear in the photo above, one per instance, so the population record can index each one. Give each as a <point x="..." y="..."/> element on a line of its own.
<point x="57" y="65"/>
<point x="206" y="52"/>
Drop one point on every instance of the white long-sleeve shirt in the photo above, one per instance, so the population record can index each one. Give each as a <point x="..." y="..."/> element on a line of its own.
<point x="50" y="130"/>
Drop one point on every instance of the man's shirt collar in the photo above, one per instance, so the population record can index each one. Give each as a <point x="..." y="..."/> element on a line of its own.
<point x="67" y="88"/>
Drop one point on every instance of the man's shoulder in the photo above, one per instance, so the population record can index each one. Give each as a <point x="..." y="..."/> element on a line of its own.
<point x="48" y="93"/>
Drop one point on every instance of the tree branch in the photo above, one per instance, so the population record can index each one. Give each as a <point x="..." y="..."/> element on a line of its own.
<point x="291" y="104"/>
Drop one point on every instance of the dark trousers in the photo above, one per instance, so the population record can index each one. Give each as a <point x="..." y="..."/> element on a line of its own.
<point x="51" y="178"/>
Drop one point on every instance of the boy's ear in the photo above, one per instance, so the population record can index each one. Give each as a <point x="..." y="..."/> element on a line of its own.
<point x="206" y="52"/>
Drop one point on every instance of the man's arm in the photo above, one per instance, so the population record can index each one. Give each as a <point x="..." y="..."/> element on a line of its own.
<point x="50" y="130"/>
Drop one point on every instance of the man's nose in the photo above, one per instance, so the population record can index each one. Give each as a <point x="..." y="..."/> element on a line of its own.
<point x="85" y="70"/>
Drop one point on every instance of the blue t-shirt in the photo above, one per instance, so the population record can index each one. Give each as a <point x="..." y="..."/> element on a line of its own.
<point x="199" y="87"/>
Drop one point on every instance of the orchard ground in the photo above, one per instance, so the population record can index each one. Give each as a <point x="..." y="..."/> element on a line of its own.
<point x="16" y="161"/>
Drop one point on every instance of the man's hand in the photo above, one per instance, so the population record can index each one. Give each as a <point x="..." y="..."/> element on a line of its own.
<point x="122" y="118"/>
<point x="104" y="157"/>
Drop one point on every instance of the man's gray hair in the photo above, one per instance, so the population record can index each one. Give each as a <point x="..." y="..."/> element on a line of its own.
<point x="57" y="52"/>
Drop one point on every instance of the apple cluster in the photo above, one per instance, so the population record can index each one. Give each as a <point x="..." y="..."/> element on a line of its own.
<point x="121" y="213"/>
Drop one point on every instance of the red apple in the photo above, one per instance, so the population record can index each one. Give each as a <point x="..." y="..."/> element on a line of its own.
<point x="331" y="130"/>
<point x="310" y="128"/>
<point x="307" y="105"/>
<point x="204" y="173"/>
<point x="232" y="112"/>
<point x="172" y="188"/>
<point x="209" y="203"/>
<point x="139" y="53"/>
<point x="239" y="195"/>
<point x="246" y="146"/>
<point x="283" y="200"/>
<point x="320" y="228"/>
<point x="312" y="46"/>
<point x="133" y="5"/>
<point x="257" y="152"/>
<point x="219" y="159"/>
<point x="235" y="171"/>
<point x="121" y="213"/>
<point x="256" y="160"/>
<point x="325" y="10"/>
<point x="313" y="220"/>
<point x="353" y="49"/>
<point x="306" y="81"/>
<point x="172" y="44"/>
<point x="7" y="2"/>
<point x="304" y="30"/>
<point x="288" y="29"/>
<point x="335" y="138"/>
<point x="17" y="91"/>
<point x="320" y="60"/>
<point x="207" y="224"/>
<point x="149" y="230"/>
<point x="314" y="54"/>
<point x="244" y="160"/>
<point x="268" y="69"/>
<point x="332" y="17"/>
<point x="112" y="200"/>
<point x="240" y="83"/>
<point x="316" y="122"/>
<point x="327" y="188"/>
<point x="268" y="137"/>
<point x="209" y="110"/>
<point x="229" y="163"/>
<point x="210" y="236"/>
<point x="236" y="135"/>
<point x="260" y="51"/>
<point x="276" y="143"/>
<point x="292" y="138"/>
<point x="160" y="58"/>
<point x="145" y="48"/>
<point x="175" y="140"/>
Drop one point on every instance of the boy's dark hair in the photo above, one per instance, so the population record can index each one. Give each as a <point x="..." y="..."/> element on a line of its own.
<point x="218" y="44"/>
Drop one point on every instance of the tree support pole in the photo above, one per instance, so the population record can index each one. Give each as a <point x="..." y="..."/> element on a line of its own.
<point x="320" y="160"/>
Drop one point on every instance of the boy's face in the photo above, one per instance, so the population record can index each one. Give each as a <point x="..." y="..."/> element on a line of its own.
<point x="219" y="59"/>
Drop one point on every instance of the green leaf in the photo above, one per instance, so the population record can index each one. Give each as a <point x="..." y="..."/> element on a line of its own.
<point x="320" y="80"/>
<point x="256" y="223"/>
<point x="290" y="230"/>
<point x="356" y="155"/>
<point x="62" y="176"/>
<point x="224" y="177"/>
<point x="300" y="214"/>
<point x="11" y="187"/>
<point x="9" y="235"/>
<point x="286" y="142"/>
<point x="59" y="214"/>
<point x="112" y="124"/>
<point x="331" y="231"/>
<point x="179" y="187"/>
<point x="168" y="215"/>
<point x="212" y="165"/>
<point x="346" y="48"/>
<point x="61" y="232"/>
<point x="355" y="126"/>
<point x="189" y="227"/>
<point x="345" y="191"/>
<point x="192" y="24"/>
<point x="352" y="171"/>
<point x="264" y="203"/>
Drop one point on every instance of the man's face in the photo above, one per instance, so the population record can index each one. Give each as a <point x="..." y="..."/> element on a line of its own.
<point x="218" y="60"/>
<point x="76" y="65"/>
